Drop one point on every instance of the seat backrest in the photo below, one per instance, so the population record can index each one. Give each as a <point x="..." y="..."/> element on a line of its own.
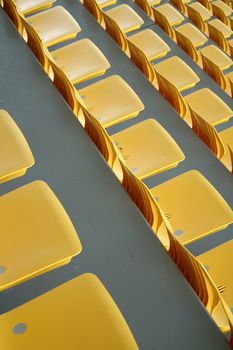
<point x="145" y="6"/>
<point x="219" y="13"/>
<point x="162" y="21"/>
<point x="186" y="45"/>
<point x="213" y="71"/>
<point x="217" y="36"/>
<point x="36" y="45"/>
<point x="144" y="200"/>
<point x="205" y="3"/>
<point x="139" y="58"/>
<point x="66" y="88"/>
<point x="103" y="142"/>
<point x="94" y="8"/>
<point x="196" y="18"/>
<point x="115" y="32"/>
<point x="231" y="155"/>
<point x="231" y="85"/>
<point x="172" y="95"/>
<point x="201" y="282"/>
<point x="208" y="134"/>
<point x="179" y="5"/>
<point x="11" y="9"/>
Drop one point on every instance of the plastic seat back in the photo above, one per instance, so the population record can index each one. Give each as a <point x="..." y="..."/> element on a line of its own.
<point x="213" y="71"/>
<point x="196" y="18"/>
<point x="205" y="3"/>
<point x="145" y="6"/>
<point x="103" y="142"/>
<point x="11" y="9"/>
<point x="162" y="21"/>
<point x="208" y="134"/>
<point x="219" y="13"/>
<point x="139" y="58"/>
<point x="172" y="95"/>
<point x="186" y="45"/>
<point x="217" y="36"/>
<point x="94" y="8"/>
<point x="179" y="5"/>
<point x="231" y="155"/>
<point x="115" y="32"/>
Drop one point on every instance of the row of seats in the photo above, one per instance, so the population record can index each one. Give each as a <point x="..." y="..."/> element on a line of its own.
<point x="173" y="75"/>
<point x="132" y="161"/>
<point x="84" y="302"/>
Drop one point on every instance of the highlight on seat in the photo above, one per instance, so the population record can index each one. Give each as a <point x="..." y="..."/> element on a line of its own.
<point x="44" y="237"/>
<point x="15" y="154"/>
<point x="79" y="312"/>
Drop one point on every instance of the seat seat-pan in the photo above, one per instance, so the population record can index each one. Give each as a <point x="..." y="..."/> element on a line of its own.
<point x="213" y="53"/>
<point x="215" y="112"/>
<point x="177" y="72"/>
<point x="192" y="33"/>
<point x="126" y="18"/>
<point x="147" y="148"/>
<point x="111" y="100"/>
<point x="43" y="235"/>
<point x="225" y="30"/>
<point x="54" y="25"/>
<point x="224" y="7"/>
<point x="173" y="16"/>
<point x="150" y="43"/>
<point x="81" y="60"/>
<point x="193" y="206"/>
<point x="80" y="313"/>
<point x="202" y="10"/>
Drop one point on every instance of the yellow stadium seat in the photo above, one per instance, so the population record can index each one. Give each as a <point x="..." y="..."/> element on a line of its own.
<point x="189" y="38"/>
<point x="15" y="154"/>
<point x="198" y="14"/>
<point x="174" y="69"/>
<point x="193" y="206"/>
<point x="181" y="5"/>
<point x="219" y="32"/>
<point x="150" y="43"/>
<point x="219" y="264"/>
<point x="54" y="25"/>
<point x="111" y="100"/>
<point x="119" y="21"/>
<point x="166" y="16"/>
<point x="202" y="284"/>
<point x="219" y="143"/>
<point x="147" y="4"/>
<point x="43" y="235"/>
<point x="214" y="112"/>
<point x="175" y="76"/>
<point x="81" y="60"/>
<point x="159" y="153"/>
<point x="142" y="61"/>
<point x="215" y="61"/>
<point x="80" y="314"/>
<point x="126" y="18"/>
<point x="221" y="10"/>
